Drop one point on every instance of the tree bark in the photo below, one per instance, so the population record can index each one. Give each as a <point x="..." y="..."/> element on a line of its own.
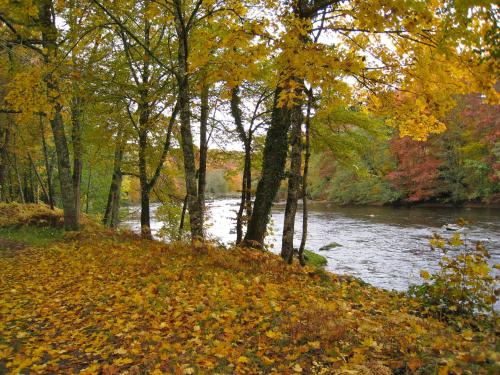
<point x="195" y="217"/>
<point x="49" y="42"/>
<point x="143" y="178"/>
<point x="18" y="175"/>
<point x="88" y="189"/>
<point x="76" y="139"/>
<point x="293" y="185"/>
<point x="274" y="158"/>
<point x="144" y="114"/>
<point x="275" y="149"/>
<point x="48" y="167"/>
<point x="202" y="170"/>
<point x="4" y="159"/>
<point x="246" y="183"/>
<point x="111" y="215"/>
<point x="45" y="193"/>
<point x="305" y="212"/>
<point x="183" y="216"/>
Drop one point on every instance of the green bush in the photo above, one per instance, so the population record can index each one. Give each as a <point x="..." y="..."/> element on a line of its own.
<point x="463" y="285"/>
<point x="169" y="213"/>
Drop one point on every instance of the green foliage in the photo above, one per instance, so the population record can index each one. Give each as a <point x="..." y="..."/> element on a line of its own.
<point x="463" y="286"/>
<point x="216" y="183"/>
<point x="348" y="187"/>
<point x="169" y="213"/>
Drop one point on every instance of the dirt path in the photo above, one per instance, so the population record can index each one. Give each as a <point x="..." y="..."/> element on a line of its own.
<point x="9" y="247"/>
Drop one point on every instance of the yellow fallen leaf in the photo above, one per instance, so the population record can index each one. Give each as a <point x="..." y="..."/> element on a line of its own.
<point x="273" y="335"/>
<point x="468" y="334"/>
<point x="120" y="351"/>
<point x="314" y="344"/>
<point x="297" y="368"/>
<point x="243" y="359"/>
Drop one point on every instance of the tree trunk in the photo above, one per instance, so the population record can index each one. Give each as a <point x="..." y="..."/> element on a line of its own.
<point x="183" y="216"/>
<point x="248" y="175"/>
<point x="18" y="175"/>
<point x="65" y="179"/>
<point x="49" y="41"/>
<point x="195" y="217"/>
<point x="38" y="178"/>
<point x="144" y="118"/>
<point x="4" y="158"/>
<point x="293" y="185"/>
<point x="246" y="183"/>
<point x="304" y="183"/>
<point x="274" y="158"/>
<point x="202" y="170"/>
<point x="111" y="215"/>
<point x="143" y="178"/>
<point x="48" y="168"/>
<point x="88" y="189"/>
<point x="76" y="139"/>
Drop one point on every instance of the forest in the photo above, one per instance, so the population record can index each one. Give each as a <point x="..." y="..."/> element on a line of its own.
<point x="108" y="104"/>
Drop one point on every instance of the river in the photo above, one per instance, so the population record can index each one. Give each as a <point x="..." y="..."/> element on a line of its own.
<point x="385" y="246"/>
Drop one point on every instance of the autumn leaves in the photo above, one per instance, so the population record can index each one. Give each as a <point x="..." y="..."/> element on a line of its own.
<point x="146" y="307"/>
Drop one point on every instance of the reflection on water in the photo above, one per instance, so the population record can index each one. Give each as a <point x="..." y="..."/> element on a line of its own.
<point x="386" y="247"/>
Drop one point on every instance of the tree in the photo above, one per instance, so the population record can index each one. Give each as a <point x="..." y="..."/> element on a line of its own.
<point x="402" y="57"/>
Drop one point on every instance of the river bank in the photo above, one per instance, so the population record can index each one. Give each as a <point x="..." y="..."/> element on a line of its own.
<point x="386" y="247"/>
<point x="104" y="302"/>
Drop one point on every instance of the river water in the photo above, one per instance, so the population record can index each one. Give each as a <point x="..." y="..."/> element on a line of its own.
<point x="386" y="247"/>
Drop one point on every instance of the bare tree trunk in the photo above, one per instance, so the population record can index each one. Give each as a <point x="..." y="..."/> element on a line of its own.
<point x="144" y="118"/>
<point x="65" y="178"/>
<point x="49" y="41"/>
<point x="245" y="202"/>
<point x="304" y="183"/>
<point x="48" y="168"/>
<point x="88" y="190"/>
<point x="4" y="159"/>
<point x="202" y="170"/>
<point x="275" y="151"/>
<point x="143" y="178"/>
<point x="76" y="139"/>
<point x="183" y="215"/>
<point x="111" y="215"/>
<point x="237" y="116"/>
<point x="248" y="175"/>
<point x="195" y="216"/>
<point x="38" y="177"/>
<point x="293" y="185"/>
<point x="18" y="175"/>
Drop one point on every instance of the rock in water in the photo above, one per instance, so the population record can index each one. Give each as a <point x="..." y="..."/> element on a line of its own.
<point x="330" y="246"/>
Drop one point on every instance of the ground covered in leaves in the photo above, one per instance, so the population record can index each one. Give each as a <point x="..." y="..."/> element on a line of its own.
<point x="98" y="302"/>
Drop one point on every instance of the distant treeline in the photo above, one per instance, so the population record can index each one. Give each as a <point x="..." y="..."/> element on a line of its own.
<point x="458" y="166"/>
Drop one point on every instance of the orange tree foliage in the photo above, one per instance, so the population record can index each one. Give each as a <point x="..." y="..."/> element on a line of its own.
<point x="417" y="173"/>
<point x="109" y="303"/>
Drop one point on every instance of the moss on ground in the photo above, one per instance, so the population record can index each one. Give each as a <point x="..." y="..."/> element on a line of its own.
<point x="314" y="259"/>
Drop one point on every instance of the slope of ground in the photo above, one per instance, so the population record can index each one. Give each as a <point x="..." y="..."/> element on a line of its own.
<point x="98" y="302"/>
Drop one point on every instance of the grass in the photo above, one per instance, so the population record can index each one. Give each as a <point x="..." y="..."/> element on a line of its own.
<point x="34" y="236"/>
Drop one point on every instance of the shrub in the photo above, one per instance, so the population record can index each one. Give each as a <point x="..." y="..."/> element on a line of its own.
<point x="463" y="286"/>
